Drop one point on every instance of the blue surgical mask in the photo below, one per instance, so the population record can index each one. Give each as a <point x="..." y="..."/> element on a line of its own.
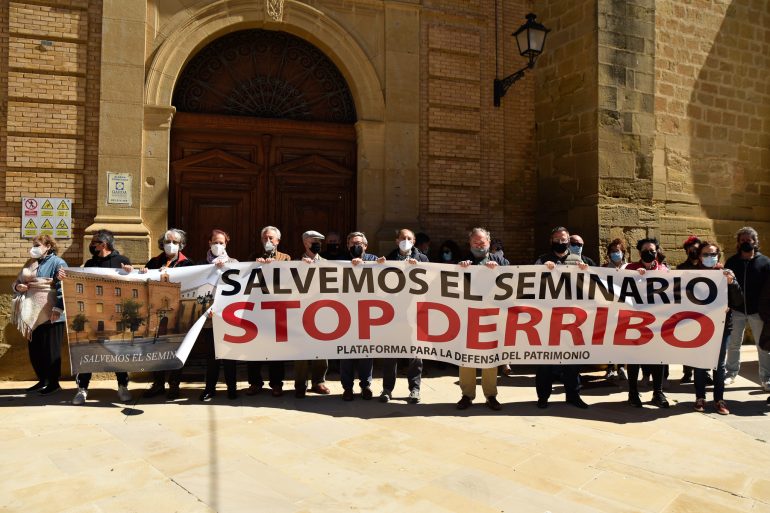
<point x="575" y="249"/>
<point x="709" y="261"/>
<point x="616" y="256"/>
<point x="480" y="252"/>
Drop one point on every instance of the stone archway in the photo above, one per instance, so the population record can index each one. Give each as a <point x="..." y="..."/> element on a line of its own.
<point x="196" y="27"/>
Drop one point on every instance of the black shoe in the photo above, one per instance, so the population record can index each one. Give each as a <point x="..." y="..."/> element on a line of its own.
<point x="300" y="393"/>
<point x="493" y="403"/>
<point x="542" y="403"/>
<point x="366" y="393"/>
<point x="709" y="380"/>
<point x="173" y="392"/>
<point x="659" y="400"/>
<point x="634" y="399"/>
<point x="50" y="389"/>
<point x="464" y="403"/>
<point x="686" y="379"/>
<point x="578" y="402"/>
<point x="155" y="389"/>
<point x="206" y="396"/>
<point x="232" y="394"/>
<point x="37" y="386"/>
<point x="347" y="394"/>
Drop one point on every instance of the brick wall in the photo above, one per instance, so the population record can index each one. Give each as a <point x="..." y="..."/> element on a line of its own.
<point x="712" y="116"/>
<point x="49" y="112"/>
<point x="476" y="161"/>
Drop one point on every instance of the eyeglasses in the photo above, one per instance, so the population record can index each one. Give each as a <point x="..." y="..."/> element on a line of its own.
<point x="709" y="254"/>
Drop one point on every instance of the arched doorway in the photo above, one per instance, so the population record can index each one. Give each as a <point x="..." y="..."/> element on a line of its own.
<point x="263" y="135"/>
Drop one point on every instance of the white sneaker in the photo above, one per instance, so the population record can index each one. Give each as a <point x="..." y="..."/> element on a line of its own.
<point x="123" y="394"/>
<point x="729" y="380"/>
<point x="80" y="397"/>
<point x="766" y="387"/>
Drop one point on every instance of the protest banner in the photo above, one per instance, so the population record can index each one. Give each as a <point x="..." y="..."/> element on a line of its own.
<point x="471" y="316"/>
<point x="135" y="322"/>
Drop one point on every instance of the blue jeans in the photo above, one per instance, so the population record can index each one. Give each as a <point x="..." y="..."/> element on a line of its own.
<point x="719" y="373"/>
<point x="365" y="368"/>
<point x="733" y="360"/>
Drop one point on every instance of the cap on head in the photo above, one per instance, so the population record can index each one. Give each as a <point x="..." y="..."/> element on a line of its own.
<point x="312" y="234"/>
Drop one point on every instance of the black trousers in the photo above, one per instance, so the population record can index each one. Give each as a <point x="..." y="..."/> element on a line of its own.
<point x="84" y="378"/>
<point x="212" y="364"/>
<point x="174" y="377"/>
<point x="656" y="371"/>
<point x="276" y="372"/>
<point x="413" y="373"/>
<point x="45" y="351"/>
<point x="569" y="375"/>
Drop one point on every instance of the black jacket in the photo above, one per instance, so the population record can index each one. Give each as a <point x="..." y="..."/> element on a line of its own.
<point x="414" y="253"/>
<point x="751" y="276"/>
<point x="112" y="261"/>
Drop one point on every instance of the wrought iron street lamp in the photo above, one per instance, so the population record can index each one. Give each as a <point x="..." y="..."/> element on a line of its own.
<point x="530" y="38"/>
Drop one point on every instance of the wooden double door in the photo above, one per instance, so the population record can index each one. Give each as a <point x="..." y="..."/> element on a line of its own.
<point x="240" y="174"/>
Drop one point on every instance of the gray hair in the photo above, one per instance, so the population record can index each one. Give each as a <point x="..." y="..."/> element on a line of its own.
<point x="268" y="228"/>
<point x="357" y="234"/>
<point x="751" y="232"/>
<point x="482" y="231"/>
<point x="180" y="234"/>
<point x="106" y="237"/>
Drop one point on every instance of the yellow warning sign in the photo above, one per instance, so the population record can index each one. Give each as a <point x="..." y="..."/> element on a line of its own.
<point x="62" y="205"/>
<point x="62" y="225"/>
<point x="30" y="224"/>
<point x="47" y="205"/>
<point x="47" y="225"/>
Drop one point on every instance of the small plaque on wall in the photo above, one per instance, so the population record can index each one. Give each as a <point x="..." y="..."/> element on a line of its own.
<point x="119" y="192"/>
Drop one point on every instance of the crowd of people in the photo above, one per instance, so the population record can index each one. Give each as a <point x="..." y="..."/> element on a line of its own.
<point x="38" y="312"/>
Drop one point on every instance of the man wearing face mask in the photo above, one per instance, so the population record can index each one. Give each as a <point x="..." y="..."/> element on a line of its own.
<point x="312" y="241"/>
<point x="480" y="240"/>
<point x="576" y="248"/>
<point x="171" y="243"/>
<point x="270" y="238"/>
<point x="751" y="269"/>
<point x="691" y="248"/>
<point x="406" y="251"/>
<point x="334" y="250"/>
<point x="357" y="244"/>
<point x="569" y="375"/>
<point x="104" y="255"/>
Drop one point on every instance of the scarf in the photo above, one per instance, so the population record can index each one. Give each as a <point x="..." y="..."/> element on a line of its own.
<point x="32" y="308"/>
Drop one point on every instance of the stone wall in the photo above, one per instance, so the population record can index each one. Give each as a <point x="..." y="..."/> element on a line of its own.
<point x="712" y="117"/>
<point x="477" y="161"/>
<point x="49" y="94"/>
<point x="566" y="108"/>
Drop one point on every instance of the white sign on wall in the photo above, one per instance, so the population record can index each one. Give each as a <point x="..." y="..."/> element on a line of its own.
<point x="119" y="192"/>
<point x="50" y="216"/>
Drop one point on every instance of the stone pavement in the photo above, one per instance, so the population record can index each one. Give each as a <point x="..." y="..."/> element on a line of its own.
<point x="321" y="454"/>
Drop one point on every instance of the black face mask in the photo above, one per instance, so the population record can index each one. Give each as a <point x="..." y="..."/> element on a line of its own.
<point x="559" y="247"/>
<point x="315" y="247"/>
<point x="93" y="250"/>
<point x="356" y="251"/>
<point x="649" y="256"/>
<point x="693" y="255"/>
<point x="747" y="247"/>
<point x="332" y="247"/>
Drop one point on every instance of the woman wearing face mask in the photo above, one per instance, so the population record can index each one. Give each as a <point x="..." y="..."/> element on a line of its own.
<point x="648" y="251"/>
<point x="217" y="255"/>
<point x="38" y="312"/>
<point x="709" y="260"/>
<point x="171" y="243"/>
<point x="450" y="253"/>
<point x="616" y="259"/>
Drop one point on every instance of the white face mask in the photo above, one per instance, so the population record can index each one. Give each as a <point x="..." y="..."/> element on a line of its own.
<point x="217" y="249"/>
<point x="405" y="245"/>
<point x="171" y="248"/>
<point x="36" y="251"/>
<point x="269" y="247"/>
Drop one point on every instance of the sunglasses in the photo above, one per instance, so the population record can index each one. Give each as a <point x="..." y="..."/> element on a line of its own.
<point x="710" y="254"/>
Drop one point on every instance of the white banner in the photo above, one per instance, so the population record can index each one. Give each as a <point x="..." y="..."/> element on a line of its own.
<point x="473" y="316"/>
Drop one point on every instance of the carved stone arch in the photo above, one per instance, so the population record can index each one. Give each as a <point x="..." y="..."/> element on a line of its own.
<point x="194" y="28"/>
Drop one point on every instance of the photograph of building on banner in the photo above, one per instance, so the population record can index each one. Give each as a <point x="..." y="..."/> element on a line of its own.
<point x="134" y="322"/>
<point x="474" y="316"/>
